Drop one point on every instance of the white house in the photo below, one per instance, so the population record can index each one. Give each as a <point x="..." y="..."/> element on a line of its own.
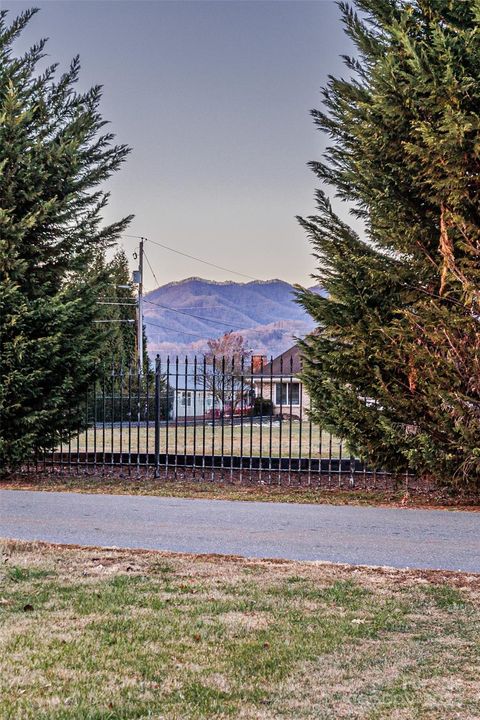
<point x="190" y="395"/>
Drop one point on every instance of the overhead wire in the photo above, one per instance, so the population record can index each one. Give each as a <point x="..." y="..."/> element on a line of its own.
<point x="197" y="317"/>
<point x="188" y="307"/>
<point x="151" y="268"/>
<point x="200" y="307"/>
<point x="193" y="257"/>
<point x="163" y="327"/>
<point x="183" y="312"/>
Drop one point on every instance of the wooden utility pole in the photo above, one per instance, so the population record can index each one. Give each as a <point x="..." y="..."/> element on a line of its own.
<point x="140" y="309"/>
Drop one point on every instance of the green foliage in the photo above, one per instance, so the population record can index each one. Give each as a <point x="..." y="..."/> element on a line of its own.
<point x="120" y="340"/>
<point x="395" y="364"/>
<point x="262" y="406"/>
<point x="122" y="394"/>
<point x="54" y="156"/>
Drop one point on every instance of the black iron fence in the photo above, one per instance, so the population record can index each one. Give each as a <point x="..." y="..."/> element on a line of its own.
<point x="210" y="416"/>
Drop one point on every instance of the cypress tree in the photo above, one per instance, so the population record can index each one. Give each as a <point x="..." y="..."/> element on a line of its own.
<point x="120" y="343"/>
<point x="54" y="157"/>
<point x="394" y="366"/>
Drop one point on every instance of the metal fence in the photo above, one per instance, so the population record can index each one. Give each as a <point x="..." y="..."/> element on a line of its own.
<point x="212" y="417"/>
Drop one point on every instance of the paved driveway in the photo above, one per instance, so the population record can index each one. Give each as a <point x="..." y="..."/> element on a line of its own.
<point x="358" y="535"/>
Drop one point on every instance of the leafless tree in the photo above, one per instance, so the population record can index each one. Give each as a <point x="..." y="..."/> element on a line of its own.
<point x="228" y="374"/>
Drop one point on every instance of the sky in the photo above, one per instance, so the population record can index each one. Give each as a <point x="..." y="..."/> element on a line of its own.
<point x="214" y="98"/>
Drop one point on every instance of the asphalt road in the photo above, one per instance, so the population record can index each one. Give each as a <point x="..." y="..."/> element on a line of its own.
<point x="357" y="535"/>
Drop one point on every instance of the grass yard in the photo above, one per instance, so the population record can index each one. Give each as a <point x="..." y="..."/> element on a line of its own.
<point x="90" y="634"/>
<point x="258" y="439"/>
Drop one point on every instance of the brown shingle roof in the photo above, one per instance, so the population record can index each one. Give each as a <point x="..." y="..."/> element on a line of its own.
<point x="289" y="362"/>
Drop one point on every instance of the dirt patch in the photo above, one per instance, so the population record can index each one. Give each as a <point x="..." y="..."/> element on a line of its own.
<point x="246" y="620"/>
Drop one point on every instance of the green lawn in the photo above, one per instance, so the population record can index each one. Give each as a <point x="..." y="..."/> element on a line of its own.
<point x="117" y="635"/>
<point x="256" y="439"/>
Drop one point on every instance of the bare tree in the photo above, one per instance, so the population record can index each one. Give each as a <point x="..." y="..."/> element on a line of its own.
<point x="228" y="374"/>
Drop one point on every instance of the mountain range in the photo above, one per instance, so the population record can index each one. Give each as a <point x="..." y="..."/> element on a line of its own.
<point x="181" y="317"/>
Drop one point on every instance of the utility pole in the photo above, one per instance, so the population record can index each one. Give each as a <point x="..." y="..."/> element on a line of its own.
<point x="140" y="309"/>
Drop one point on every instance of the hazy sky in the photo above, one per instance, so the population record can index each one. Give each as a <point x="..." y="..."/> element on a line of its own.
<point x="214" y="99"/>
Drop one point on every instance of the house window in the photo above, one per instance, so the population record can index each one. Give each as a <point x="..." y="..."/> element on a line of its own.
<point x="186" y="398"/>
<point x="287" y="393"/>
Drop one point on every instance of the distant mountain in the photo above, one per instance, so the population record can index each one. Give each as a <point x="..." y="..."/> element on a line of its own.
<point x="180" y="317"/>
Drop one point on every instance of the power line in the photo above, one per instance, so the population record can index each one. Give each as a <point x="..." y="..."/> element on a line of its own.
<point x="163" y="327"/>
<point x="192" y="257"/>
<point x="114" y="321"/>
<point x="183" y="312"/>
<point x="201" y="307"/>
<point x="205" y="262"/>
<point x="105" y="302"/>
<point x="197" y="317"/>
<point x="151" y="268"/>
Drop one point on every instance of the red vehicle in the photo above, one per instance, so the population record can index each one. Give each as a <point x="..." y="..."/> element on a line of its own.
<point x="213" y="414"/>
<point x="238" y="411"/>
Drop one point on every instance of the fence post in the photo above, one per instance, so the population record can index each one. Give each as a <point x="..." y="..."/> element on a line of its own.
<point x="352" y="471"/>
<point x="157" y="415"/>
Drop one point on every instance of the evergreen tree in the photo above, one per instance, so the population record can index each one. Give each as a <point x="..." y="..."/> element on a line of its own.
<point x="395" y="364"/>
<point x="54" y="156"/>
<point x="119" y="305"/>
<point x="120" y="342"/>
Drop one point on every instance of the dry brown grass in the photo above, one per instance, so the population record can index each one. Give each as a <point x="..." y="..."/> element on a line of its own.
<point x="119" y="481"/>
<point x="256" y="439"/>
<point x="91" y="634"/>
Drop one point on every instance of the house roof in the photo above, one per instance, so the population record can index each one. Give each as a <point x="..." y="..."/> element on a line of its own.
<point x="194" y="384"/>
<point x="186" y="378"/>
<point x="288" y="363"/>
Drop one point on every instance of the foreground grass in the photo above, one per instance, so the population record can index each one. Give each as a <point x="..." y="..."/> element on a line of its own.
<point x="91" y="634"/>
